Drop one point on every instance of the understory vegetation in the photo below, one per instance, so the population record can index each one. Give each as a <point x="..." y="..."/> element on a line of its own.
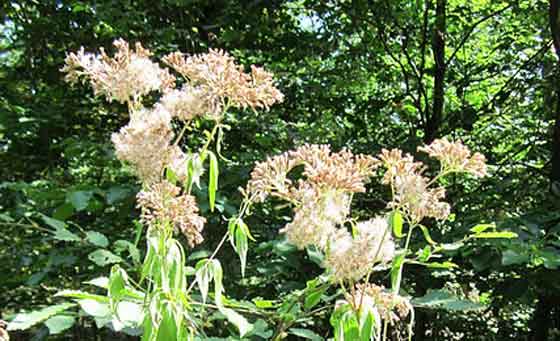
<point x="280" y="170"/>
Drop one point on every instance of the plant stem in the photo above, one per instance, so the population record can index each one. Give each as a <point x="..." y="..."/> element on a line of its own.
<point x="209" y="259"/>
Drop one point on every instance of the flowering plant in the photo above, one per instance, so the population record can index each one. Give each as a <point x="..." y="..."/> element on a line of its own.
<point x="159" y="304"/>
<point x="353" y="249"/>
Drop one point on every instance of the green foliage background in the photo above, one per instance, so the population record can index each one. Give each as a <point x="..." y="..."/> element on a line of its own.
<point x="356" y="74"/>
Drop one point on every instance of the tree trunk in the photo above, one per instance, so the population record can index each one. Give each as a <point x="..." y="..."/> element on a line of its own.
<point x="554" y="17"/>
<point x="541" y="321"/>
<point x="433" y="122"/>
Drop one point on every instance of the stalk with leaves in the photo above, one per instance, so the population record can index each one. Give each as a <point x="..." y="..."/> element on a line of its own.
<point x="159" y="304"/>
<point x="352" y="249"/>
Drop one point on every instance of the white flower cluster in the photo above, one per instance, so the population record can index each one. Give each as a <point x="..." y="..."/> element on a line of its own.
<point x="146" y="142"/>
<point x="352" y="257"/>
<point x="412" y="191"/>
<point x="323" y="199"/>
<point x="125" y="77"/>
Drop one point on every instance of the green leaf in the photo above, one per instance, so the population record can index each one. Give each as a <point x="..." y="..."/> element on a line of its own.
<point x="77" y="294"/>
<point x="213" y="180"/>
<point x="79" y="199"/>
<point x="94" y="308"/>
<point x="351" y="326"/>
<point x="232" y="316"/>
<point x="54" y="223"/>
<point x="441" y="265"/>
<point x="59" y="323"/>
<point x="122" y="245"/>
<point x="117" y="285"/>
<point x="305" y="333"/>
<point x="129" y="313"/>
<point x="63" y="211"/>
<point x="425" y="254"/>
<point x="369" y="320"/>
<point x="502" y="234"/>
<point x="510" y="257"/>
<point x="315" y="255"/>
<point x="175" y="260"/>
<point x="204" y="274"/>
<point x="24" y="321"/>
<point x="65" y="235"/>
<point x="241" y="247"/>
<point x="314" y="297"/>
<point x="427" y="236"/>
<point x="264" y="303"/>
<point x="60" y="232"/>
<point x="396" y="272"/>
<point x="452" y="246"/>
<point x="97" y="238"/>
<point x="167" y="329"/>
<point x="101" y="282"/>
<point x="396" y="222"/>
<point x="241" y="224"/>
<point x="171" y="176"/>
<point x="195" y="169"/>
<point x="199" y="254"/>
<point x="443" y="299"/>
<point x="117" y="193"/>
<point x="104" y="257"/>
<point x="482" y="227"/>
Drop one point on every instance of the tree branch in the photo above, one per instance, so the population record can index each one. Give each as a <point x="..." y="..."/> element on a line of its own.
<point x="473" y="27"/>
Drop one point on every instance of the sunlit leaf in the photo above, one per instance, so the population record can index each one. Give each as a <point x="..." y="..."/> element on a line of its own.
<point x="59" y="323"/>
<point x="97" y="238"/>
<point x="213" y="180"/>
<point x="104" y="257"/>
<point x="396" y="222"/>
<point x="26" y="320"/>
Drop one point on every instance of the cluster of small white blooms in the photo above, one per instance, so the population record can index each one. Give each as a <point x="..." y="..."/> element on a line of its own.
<point x="177" y="163"/>
<point x="377" y="233"/>
<point x="391" y="307"/>
<point x="264" y="94"/>
<point x="352" y="258"/>
<point x="271" y="177"/>
<point x="456" y="157"/>
<point x="322" y="201"/>
<point x="417" y="200"/>
<point x="163" y="203"/>
<point x="316" y="218"/>
<point x="188" y="103"/>
<point x="322" y="169"/>
<point x="411" y="191"/>
<point x="342" y="170"/>
<point x="213" y="81"/>
<point x="221" y="78"/>
<point x="145" y="142"/>
<point x="126" y="76"/>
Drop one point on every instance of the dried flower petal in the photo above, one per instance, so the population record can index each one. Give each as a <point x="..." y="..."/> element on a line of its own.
<point x="126" y="76"/>
<point x="221" y="78"/>
<point x="391" y="307"/>
<point x="145" y="142"/>
<point x="456" y="157"/>
<point x="352" y="258"/>
<point x="161" y="203"/>
<point x="411" y="192"/>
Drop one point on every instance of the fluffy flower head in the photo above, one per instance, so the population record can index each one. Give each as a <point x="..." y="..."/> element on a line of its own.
<point x="126" y="76"/>
<point x="162" y="203"/>
<point x="352" y="258"/>
<point x="456" y="157"/>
